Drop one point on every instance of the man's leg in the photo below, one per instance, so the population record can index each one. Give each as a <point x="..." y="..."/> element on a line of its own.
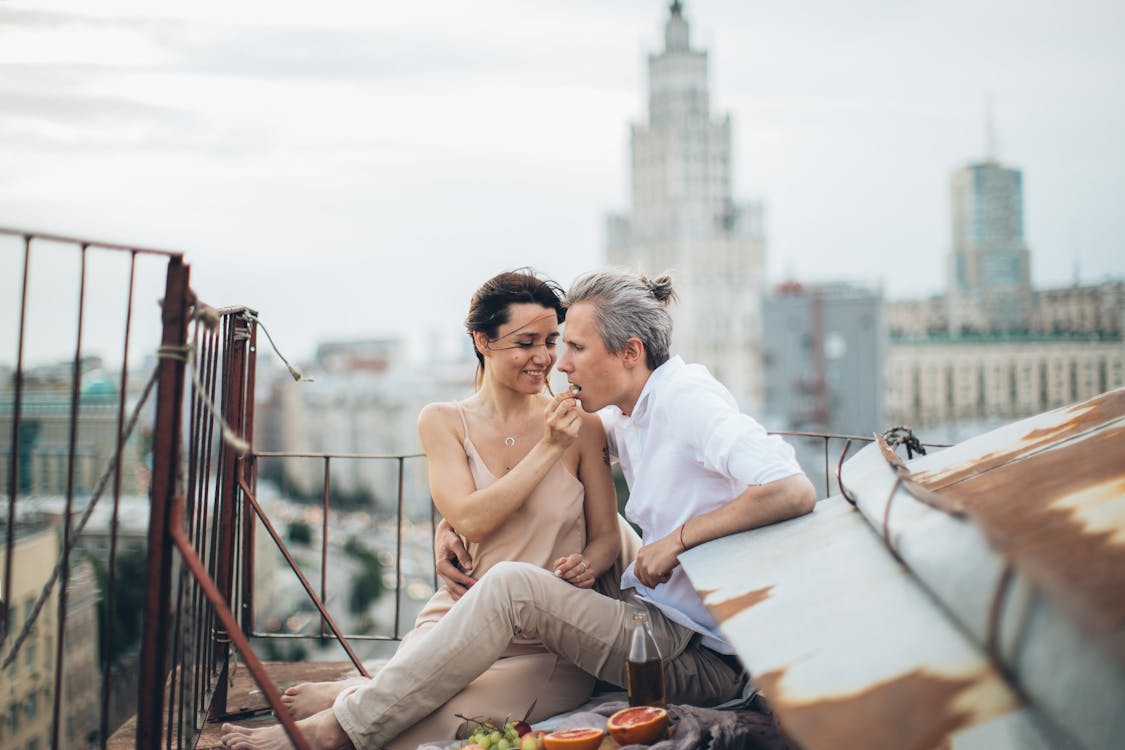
<point x="511" y="599"/>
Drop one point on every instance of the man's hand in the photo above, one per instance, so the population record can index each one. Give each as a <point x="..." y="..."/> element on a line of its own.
<point x="656" y="561"/>
<point x="452" y="560"/>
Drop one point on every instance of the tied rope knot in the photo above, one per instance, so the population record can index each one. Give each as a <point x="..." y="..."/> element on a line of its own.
<point x="905" y="437"/>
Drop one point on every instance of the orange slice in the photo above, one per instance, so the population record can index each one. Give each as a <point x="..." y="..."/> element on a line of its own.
<point x="639" y="725"/>
<point x="585" y="738"/>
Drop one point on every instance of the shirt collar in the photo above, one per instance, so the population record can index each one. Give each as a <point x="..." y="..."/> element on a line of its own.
<point x="643" y="406"/>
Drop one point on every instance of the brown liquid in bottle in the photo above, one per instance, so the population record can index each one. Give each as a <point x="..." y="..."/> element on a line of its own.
<point x="646" y="683"/>
<point x="644" y="668"/>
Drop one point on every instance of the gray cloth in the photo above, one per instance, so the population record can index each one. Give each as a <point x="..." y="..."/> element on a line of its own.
<point x="695" y="728"/>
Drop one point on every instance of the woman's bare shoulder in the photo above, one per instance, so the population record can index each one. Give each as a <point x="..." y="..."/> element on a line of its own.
<point x="439" y="417"/>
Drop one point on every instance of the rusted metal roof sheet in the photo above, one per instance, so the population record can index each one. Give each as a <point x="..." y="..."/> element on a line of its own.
<point x="853" y="646"/>
<point x="1049" y="495"/>
<point x="848" y="650"/>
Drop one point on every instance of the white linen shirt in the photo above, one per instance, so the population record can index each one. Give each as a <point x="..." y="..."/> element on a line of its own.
<point x="686" y="450"/>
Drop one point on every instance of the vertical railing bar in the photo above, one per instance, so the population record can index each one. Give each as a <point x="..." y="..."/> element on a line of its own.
<point x="111" y="573"/>
<point x="398" y="553"/>
<point x="200" y="612"/>
<point x="13" y="461"/>
<point x="64" y="567"/>
<point x="206" y="542"/>
<point x="217" y="495"/>
<point x="827" y="484"/>
<point x="187" y="590"/>
<point x="166" y="459"/>
<point x="176" y="685"/>
<point x="193" y="508"/>
<point x="247" y="469"/>
<point x="223" y="535"/>
<point x="324" y="542"/>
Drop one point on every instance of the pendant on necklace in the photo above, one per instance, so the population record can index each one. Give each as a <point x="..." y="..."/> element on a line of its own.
<point x="509" y="441"/>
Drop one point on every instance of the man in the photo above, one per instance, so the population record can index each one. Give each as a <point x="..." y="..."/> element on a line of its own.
<point x="697" y="470"/>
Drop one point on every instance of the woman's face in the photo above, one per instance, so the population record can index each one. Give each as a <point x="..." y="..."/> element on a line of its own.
<point x="523" y="352"/>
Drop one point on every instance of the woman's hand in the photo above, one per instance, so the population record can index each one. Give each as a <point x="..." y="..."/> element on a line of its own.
<point x="655" y="562"/>
<point x="576" y="570"/>
<point x="452" y="560"/>
<point x="563" y="420"/>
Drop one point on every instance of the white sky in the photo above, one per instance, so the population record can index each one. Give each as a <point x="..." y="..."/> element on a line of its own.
<point x="354" y="168"/>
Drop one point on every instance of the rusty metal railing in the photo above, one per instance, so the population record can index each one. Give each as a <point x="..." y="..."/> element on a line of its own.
<point x="826" y="440"/>
<point x="55" y="251"/>
<point x="399" y="459"/>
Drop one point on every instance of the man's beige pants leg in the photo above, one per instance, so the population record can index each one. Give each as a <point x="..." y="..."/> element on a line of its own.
<point x="513" y="598"/>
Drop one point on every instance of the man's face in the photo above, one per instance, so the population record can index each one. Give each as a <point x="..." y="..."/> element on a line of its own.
<point x="586" y="361"/>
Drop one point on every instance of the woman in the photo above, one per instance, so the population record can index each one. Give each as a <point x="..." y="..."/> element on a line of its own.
<point x="521" y="475"/>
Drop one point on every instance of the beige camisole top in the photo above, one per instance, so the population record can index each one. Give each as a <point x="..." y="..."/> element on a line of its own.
<point x="550" y="524"/>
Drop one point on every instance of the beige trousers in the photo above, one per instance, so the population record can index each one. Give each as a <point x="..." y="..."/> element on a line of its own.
<point x="584" y="627"/>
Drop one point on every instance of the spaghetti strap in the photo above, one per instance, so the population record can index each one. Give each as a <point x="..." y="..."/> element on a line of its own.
<point x="464" y="423"/>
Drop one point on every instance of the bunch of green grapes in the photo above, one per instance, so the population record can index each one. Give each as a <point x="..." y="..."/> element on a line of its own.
<point x="491" y="737"/>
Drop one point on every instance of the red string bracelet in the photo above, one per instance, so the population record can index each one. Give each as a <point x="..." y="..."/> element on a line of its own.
<point x="683" y="547"/>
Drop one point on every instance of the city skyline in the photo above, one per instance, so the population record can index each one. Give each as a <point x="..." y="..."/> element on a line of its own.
<point x="319" y="164"/>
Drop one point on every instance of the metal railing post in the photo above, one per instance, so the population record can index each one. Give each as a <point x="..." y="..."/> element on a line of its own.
<point x="233" y="403"/>
<point x="165" y="470"/>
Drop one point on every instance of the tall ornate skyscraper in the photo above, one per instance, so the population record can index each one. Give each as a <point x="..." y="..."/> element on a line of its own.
<point x="989" y="271"/>
<point x="684" y="218"/>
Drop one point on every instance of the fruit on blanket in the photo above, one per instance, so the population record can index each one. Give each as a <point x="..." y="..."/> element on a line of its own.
<point x="639" y="725"/>
<point x="586" y="738"/>
<point x="521" y="727"/>
<point x="532" y="740"/>
<point x="488" y="736"/>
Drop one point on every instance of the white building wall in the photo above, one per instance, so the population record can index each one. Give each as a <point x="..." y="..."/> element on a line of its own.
<point x="934" y="383"/>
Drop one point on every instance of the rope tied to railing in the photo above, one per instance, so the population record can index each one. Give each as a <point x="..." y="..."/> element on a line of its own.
<point x="186" y="354"/>
<point x="99" y="488"/>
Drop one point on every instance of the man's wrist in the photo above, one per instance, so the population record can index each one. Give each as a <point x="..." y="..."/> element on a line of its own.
<point x="683" y="545"/>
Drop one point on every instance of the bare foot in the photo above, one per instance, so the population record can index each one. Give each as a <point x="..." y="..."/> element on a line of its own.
<point x="309" y="698"/>
<point x="321" y="731"/>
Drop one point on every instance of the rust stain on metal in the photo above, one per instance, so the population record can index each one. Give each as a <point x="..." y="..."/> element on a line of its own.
<point x="1088" y="415"/>
<point x="728" y="608"/>
<point x="914" y="711"/>
<point x="1018" y="507"/>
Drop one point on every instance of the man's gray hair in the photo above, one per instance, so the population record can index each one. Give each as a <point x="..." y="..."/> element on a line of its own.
<point x="628" y="305"/>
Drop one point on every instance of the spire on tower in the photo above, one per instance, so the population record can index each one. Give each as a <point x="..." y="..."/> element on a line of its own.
<point x="676" y="35"/>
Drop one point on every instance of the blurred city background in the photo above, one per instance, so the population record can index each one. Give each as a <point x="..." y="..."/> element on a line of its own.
<point x="874" y="216"/>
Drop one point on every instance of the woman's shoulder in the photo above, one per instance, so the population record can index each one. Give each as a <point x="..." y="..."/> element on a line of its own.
<point x="440" y="416"/>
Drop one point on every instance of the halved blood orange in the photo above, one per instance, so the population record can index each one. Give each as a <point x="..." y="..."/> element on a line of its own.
<point x="639" y="725"/>
<point x="586" y="738"/>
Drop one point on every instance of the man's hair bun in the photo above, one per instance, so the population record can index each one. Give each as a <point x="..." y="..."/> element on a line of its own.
<point x="660" y="287"/>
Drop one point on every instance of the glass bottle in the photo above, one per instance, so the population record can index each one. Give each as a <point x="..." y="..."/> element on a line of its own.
<point x="644" y="668"/>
